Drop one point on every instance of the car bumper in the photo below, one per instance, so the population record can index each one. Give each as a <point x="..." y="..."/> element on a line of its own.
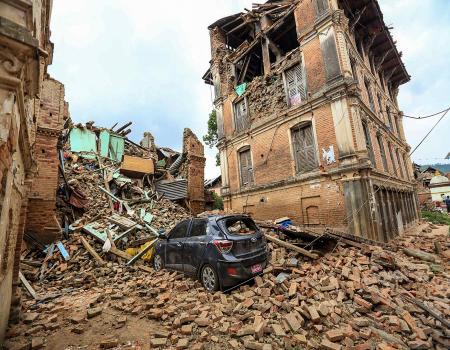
<point x="242" y="270"/>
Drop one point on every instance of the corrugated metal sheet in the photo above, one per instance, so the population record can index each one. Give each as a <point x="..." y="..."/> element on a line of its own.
<point x="172" y="190"/>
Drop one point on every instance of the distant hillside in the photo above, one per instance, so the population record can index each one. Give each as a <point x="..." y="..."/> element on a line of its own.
<point x="443" y="168"/>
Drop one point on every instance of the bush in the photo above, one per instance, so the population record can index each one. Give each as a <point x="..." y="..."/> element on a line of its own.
<point x="436" y="217"/>
<point x="218" y="201"/>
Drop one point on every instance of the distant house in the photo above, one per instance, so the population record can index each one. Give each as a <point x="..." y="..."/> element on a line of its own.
<point x="439" y="188"/>
<point x="214" y="184"/>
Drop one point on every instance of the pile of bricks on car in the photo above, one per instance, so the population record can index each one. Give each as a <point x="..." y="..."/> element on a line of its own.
<point x="391" y="297"/>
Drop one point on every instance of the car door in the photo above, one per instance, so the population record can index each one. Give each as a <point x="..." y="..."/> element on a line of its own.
<point x="195" y="245"/>
<point x="174" y="245"/>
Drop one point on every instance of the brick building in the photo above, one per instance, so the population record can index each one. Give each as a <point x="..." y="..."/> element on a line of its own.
<point x="308" y="121"/>
<point x="25" y="53"/>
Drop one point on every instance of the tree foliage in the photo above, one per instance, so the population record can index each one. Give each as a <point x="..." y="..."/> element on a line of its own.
<point x="211" y="137"/>
<point x="218" y="201"/>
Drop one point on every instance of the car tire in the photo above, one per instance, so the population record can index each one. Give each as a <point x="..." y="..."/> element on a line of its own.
<point x="209" y="278"/>
<point x="158" y="263"/>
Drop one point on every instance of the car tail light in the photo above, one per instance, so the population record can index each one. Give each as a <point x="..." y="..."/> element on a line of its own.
<point x="223" y="245"/>
<point x="232" y="271"/>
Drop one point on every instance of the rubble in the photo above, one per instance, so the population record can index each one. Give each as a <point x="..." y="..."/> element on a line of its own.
<point x="346" y="298"/>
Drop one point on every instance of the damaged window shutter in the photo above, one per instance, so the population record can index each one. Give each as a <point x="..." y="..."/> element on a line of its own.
<point x="241" y="115"/>
<point x="369" y="143"/>
<point x="321" y="7"/>
<point x="295" y="85"/>
<point x="304" y="149"/>
<point x="246" y="167"/>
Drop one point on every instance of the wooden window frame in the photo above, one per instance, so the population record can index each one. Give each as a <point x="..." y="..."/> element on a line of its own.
<point x="303" y="83"/>
<point x="369" y="144"/>
<point x="299" y="167"/>
<point x="241" y="126"/>
<point x="382" y="151"/>
<point x="251" y="180"/>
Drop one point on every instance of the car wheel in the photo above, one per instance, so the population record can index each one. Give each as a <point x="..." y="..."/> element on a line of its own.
<point x="158" y="263"/>
<point x="209" y="278"/>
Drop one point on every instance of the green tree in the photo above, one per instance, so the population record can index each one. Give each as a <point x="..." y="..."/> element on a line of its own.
<point x="211" y="137"/>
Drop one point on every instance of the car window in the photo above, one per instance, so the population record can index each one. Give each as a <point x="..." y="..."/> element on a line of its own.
<point x="180" y="231"/>
<point x="199" y="227"/>
<point x="240" y="226"/>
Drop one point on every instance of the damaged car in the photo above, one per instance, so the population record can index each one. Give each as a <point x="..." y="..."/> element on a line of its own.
<point x="222" y="251"/>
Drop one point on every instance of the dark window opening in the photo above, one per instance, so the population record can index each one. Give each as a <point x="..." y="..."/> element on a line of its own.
<point x="388" y="111"/>
<point x="250" y="66"/>
<point x="304" y="148"/>
<point x="354" y="71"/>
<point x="399" y="161"/>
<point x="380" y="104"/>
<point x="284" y="36"/>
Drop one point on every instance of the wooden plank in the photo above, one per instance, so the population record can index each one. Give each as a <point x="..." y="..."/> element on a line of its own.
<point x="120" y="253"/>
<point x="142" y="252"/>
<point x="27" y="285"/>
<point x="63" y="251"/>
<point x="291" y="247"/>
<point x="92" y="251"/>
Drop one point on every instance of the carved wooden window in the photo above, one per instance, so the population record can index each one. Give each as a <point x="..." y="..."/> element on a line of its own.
<point x="399" y="160"/>
<point x="369" y="95"/>
<point x="388" y="111"/>
<point x="382" y="152"/>
<point x="305" y="155"/>
<point x="368" y="143"/>
<point x="321" y="7"/>
<point x="391" y="154"/>
<point x="246" y="167"/>
<point x="354" y="71"/>
<point x="295" y="85"/>
<point x="241" y="120"/>
<point x="380" y="105"/>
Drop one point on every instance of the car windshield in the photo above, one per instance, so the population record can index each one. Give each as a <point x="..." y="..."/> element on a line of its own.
<point x="239" y="226"/>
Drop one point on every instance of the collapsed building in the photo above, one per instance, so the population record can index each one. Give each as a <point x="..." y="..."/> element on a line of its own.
<point x="308" y="121"/>
<point x="32" y="112"/>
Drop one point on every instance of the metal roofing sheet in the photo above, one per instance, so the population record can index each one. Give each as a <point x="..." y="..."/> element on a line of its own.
<point x="172" y="190"/>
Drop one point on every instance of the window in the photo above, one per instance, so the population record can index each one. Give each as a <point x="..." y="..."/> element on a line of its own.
<point x="397" y="125"/>
<point x="180" y="231"/>
<point x="304" y="148"/>
<point x="295" y="85"/>
<point x="321" y="7"/>
<point x="380" y="105"/>
<point x="241" y="115"/>
<point x="405" y="162"/>
<point x="199" y="227"/>
<point x="391" y="154"/>
<point x="399" y="161"/>
<point x="388" y="111"/>
<point x="246" y="167"/>
<point x="368" y="143"/>
<point x="239" y="226"/>
<point x="380" y="75"/>
<point x="354" y="71"/>
<point x="382" y="152"/>
<point x="369" y="95"/>
<point x="359" y="46"/>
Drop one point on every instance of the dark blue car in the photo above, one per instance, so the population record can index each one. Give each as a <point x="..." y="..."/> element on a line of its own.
<point x="221" y="251"/>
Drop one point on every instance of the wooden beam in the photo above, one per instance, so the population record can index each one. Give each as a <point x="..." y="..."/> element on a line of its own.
<point x="27" y="285"/>
<point x="291" y="247"/>
<point x="92" y="251"/>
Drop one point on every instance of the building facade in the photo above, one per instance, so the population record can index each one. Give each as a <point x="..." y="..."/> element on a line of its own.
<point x="25" y="53"/>
<point x="308" y="121"/>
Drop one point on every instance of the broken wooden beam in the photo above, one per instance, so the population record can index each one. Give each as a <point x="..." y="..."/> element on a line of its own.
<point x="142" y="252"/>
<point x="420" y="255"/>
<point x="27" y="285"/>
<point x="291" y="247"/>
<point x="92" y="251"/>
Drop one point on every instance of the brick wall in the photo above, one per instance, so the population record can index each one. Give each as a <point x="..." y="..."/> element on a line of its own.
<point x="42" y="198"/>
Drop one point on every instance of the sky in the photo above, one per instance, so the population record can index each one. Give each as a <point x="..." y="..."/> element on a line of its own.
<point x="142" y="61"/>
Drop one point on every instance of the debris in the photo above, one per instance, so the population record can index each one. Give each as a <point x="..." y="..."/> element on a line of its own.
<point x="291" y="246"/>
<point x="27" y="285"/>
